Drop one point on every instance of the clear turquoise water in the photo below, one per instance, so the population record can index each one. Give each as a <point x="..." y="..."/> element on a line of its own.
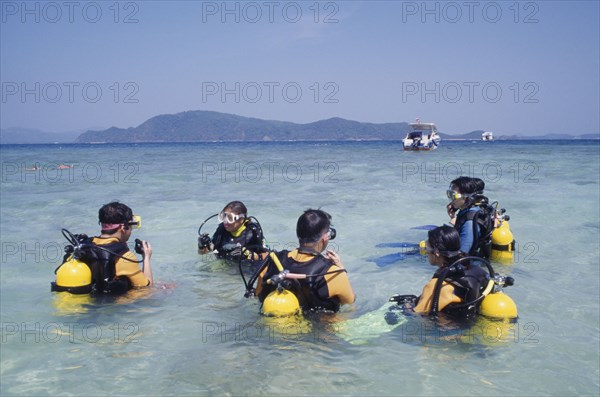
<point x="200" y="336"/>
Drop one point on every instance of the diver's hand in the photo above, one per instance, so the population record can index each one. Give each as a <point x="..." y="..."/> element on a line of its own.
<point x="146" y="268"/>
<point x="237" y="251"/>
<point x="147" y="249"/>
<point x="232" y="249"/>
<point x="334" y="258"/>
<point x="204" y="241"/>
<point x="253" y="256"/>
<point x="451" y="211"/>
<point x="403" y="299"/>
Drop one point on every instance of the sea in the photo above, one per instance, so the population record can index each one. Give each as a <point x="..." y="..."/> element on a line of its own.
<point x="195" y="333"/>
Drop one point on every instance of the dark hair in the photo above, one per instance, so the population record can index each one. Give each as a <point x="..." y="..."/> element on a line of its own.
<point x="311" y="225"/>
<point x="479" y="185"/>
<point x="114" y="213"/>
<point x="467" y="185"/>
<point x="446" y="240"/>
<point x="236" y="206"/>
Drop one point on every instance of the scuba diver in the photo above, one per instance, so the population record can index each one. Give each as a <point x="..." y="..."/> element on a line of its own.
<point x="238" y="237"/>
<point x="475" y="219"/>
<point x="104" y="264"/>
<point x="458" y="287"/>
<point x="316" y="277"/>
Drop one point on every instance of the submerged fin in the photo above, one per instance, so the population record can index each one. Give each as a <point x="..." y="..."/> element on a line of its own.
<point x="358" y="331"/>
<point x="389" y="259"/>
<point x="398" y="245"/>
<point x="424" y="227"/>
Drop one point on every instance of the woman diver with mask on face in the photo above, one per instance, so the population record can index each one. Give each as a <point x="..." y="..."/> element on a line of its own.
<point x="467" y="201"/>
<point x="483" y="227"/>
<point x="238" y="237"/>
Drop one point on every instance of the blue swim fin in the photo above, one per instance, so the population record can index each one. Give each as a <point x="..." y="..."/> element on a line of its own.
<point x="389" y="259"/>
<point x="398" y="245"/>
<point x="424" y="227"/>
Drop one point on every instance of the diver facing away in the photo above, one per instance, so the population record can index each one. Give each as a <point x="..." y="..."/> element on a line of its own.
<point x="105" y="264"/>
<point x="324" y="284"/>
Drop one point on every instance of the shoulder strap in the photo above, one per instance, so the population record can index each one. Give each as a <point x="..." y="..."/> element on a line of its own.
<point x="485" y="222"/>
<point x="103" y="268"/>
<point x="464" y="217"/>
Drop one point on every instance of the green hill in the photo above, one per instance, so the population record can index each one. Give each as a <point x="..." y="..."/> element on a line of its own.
<point x="206" y="126"/>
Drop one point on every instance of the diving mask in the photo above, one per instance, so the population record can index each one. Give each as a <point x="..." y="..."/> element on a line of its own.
<point x="331" y="233"/>
<point x="229" y="217"/>
<point x="135" y="222"/>
<point x="452" y="195"/>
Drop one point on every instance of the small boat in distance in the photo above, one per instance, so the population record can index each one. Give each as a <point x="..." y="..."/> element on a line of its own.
<point x="487" y="136"/>
<point x="422" y="136"/>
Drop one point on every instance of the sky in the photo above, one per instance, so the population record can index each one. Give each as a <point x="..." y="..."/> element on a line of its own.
<point x="511" y="67"/>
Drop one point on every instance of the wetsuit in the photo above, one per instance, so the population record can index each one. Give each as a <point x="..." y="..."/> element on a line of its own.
<point x="468" y="234"/>
<point x="229" y="245"/>
<point x="326" y="291"/>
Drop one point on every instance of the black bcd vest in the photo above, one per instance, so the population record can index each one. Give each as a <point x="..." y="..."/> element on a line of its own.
<point x="312" y="292"/>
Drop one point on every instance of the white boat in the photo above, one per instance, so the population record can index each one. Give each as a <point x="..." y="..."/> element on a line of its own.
<point x="487" y="136"/>
<point x="422" y="136"/>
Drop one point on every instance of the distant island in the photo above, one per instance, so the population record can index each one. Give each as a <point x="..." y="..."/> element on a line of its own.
<point x="18" y="135"/>
<point x="208" y="126"/>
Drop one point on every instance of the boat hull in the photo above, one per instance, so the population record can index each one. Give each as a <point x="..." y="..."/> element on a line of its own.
<point x="425" y="146"/>
<point x="424" y="149"/>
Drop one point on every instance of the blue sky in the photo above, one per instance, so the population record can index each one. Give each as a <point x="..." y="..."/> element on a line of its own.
<point x="529" y="67"/>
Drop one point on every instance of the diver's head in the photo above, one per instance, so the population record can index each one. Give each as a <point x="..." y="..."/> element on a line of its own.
<point x="443" y="246"/>
<point x="314" y="229"/>
<point x="233" y="215"/>
<point x="116" y="218"/>
<point x="463" y="190"/>
<point x="479" y="185"/>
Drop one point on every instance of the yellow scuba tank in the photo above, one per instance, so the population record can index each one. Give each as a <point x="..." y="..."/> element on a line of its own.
<point x="73" y="276"/>
<point x="280" y="304"/>
<point x="503" y="243"/>
<point x="498" y="305"/>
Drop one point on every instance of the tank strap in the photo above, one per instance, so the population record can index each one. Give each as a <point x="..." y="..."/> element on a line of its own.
<point x="84" y="289"/>
<point x="508" y="247"/>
